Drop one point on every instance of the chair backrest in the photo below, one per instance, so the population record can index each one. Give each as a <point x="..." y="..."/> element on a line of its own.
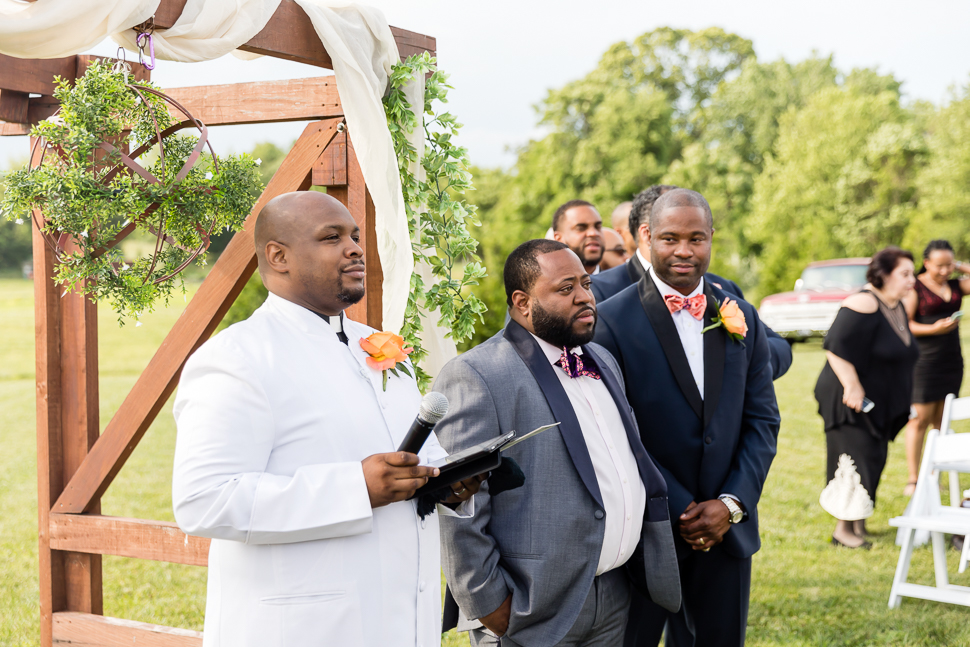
<point x="954" y="408"/>
<point x="949" y="452"/>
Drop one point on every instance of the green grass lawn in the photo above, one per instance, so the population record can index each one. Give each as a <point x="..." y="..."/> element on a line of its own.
<point x="805" y="592"/>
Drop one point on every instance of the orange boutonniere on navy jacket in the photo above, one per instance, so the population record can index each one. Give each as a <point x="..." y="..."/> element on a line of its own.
<point x="731" y="318"/>
<point x="387" y="353"/>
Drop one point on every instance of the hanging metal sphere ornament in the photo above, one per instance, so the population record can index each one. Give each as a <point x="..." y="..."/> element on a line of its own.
<point x="86" y="193"/>
<point x="129" y="164"/>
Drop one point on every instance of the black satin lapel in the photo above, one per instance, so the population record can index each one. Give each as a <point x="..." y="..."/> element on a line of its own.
<point x="663" y="325"/>
<point x="652" y="479"/>
<point x="562" y="408"/>
<point x="714" y="349"/>
<point x="634" y="268"/>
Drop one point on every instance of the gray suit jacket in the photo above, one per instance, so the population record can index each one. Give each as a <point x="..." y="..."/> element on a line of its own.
<point x="541" y="542"/>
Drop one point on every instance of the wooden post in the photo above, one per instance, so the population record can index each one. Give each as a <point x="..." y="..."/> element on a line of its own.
<point x="67" y="427"/>
<point x="356" y="198"/>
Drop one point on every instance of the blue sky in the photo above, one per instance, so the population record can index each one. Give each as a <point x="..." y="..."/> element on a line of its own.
<point x="503" y="56"/>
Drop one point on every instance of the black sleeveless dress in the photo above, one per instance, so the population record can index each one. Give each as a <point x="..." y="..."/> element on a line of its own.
<point x="884" y="363"/>
<point x="939" y="370"/>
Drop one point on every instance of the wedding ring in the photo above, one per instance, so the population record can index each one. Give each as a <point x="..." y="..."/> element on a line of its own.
<point x="706" y="550"/>
<point x="701" y="541"/>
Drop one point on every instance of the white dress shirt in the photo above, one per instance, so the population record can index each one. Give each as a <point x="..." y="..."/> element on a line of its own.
<point x="624" y="496"/>
<point x="689" y="330"/>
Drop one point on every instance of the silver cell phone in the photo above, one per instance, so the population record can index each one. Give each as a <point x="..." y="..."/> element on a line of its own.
<point x="867" y="405"/>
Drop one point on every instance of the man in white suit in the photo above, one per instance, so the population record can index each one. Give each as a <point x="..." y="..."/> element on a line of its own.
<point x="286" y="458"/>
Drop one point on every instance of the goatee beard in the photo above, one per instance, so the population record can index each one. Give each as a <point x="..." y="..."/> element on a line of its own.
<point x="350" y="297"/>
<point x="557" y="330"/>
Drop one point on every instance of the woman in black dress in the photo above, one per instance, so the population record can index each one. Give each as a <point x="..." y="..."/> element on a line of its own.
<point x="939" y="370"/>
<point x="870" y="355"/>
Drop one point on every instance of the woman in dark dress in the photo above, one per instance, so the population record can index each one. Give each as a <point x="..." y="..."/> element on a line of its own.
<point x="939" y="370"/>
<point x="870" y="355"/>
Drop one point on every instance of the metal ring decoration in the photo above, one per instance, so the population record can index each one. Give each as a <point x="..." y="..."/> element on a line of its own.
<point x="130" y="165"/>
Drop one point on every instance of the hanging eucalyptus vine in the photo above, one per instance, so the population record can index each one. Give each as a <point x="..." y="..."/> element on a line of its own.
<point x="438" y="215"/>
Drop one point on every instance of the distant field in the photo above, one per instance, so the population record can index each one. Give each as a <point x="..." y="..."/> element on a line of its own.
<point x="805" y="592"/>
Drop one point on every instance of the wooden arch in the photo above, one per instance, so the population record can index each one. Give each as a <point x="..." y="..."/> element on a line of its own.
<point x="75" y="462"/>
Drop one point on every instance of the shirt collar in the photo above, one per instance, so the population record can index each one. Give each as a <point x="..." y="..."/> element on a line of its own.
<point x="643" y="261"/>
<point x="308" y="320"/>
<point x="666" y="289"/>
<point x="552" y="353"/>
<point x="337" y="323"/>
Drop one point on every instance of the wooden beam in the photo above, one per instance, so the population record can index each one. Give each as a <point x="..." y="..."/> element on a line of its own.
<point x="331" y="169"/>
<point x="200" y="319"/>
<point x="159" y="541"/>
<point x="35" y="75"/>
<point x="261" y="102"/>
<point x="289" y="35"/>
<point x="86" y="630"/>
<point x="13" y="106"/>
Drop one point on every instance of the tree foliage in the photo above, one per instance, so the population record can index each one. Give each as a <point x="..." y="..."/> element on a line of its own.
<point x="800" y="161"/>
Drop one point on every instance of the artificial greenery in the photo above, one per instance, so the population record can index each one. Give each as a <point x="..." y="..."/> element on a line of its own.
<point x="78" y="197"/>
<point x="438" y="215"/>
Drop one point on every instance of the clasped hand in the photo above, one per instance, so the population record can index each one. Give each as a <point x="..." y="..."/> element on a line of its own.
<point x="704" y="524"/>
<point x="396" y="476"/>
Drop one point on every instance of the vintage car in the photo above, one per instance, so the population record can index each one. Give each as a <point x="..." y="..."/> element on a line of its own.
<point x="809" y="310"/>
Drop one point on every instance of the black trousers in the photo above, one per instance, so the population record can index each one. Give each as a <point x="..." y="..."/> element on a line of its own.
<point x="714" y="613"/>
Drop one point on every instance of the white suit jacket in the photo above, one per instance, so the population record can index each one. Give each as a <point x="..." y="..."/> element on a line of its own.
<point x="274" y="417"/>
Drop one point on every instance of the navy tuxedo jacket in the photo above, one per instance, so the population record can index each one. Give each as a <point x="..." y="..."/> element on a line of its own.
<point x="722" y="444"/>
<point x="616" y="279"/>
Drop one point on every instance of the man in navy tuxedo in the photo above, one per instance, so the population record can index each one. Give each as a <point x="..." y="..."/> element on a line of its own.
<point x="610" y="282"/>
<point x="706" y="409"/>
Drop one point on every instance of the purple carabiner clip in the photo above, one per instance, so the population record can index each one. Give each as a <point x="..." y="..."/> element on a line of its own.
<point x="141" y="50"/>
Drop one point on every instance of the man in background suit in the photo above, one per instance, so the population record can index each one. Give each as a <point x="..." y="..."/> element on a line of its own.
<point x="578" y="224"/>
<point x="610" y="282"/>
<point x="620" y="221"/>
<point x="547" y="563"/>
<point x="706" y="408"/>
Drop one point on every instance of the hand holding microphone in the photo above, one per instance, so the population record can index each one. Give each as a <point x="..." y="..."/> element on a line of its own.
<point x="395" y="477"/>
<point x="433" y="408"/>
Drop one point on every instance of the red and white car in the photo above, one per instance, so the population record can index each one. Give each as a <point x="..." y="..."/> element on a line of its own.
<point x="810" y="309"/>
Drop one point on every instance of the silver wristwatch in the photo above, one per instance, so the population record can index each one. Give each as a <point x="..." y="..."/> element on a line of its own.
<point x="733" y="508"/>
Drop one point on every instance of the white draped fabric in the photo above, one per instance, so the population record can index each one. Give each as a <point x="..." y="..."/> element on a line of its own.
<point x="359" y="42"/>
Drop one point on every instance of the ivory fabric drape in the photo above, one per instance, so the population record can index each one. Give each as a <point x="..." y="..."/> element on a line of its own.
<point x="356" y="36"/>
<point x="58" y="28"/>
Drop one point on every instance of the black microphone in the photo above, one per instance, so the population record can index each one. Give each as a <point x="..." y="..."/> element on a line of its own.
<point x="433" y="408"/>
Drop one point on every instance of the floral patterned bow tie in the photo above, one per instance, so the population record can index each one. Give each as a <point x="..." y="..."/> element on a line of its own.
<point x="573" y="365"/>
<point x="695" y="305"/>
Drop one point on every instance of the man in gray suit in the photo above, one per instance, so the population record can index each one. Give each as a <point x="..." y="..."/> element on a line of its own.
<point x="551" y="562"/>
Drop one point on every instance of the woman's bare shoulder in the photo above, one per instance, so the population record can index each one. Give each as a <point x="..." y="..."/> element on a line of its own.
<point x="862" y="302"/>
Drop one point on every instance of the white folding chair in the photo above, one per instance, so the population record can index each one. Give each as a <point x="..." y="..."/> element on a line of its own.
<point x="950" y="452"/>
<point x="954" y="408"/>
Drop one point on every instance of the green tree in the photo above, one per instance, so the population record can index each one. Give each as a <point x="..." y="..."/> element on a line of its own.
<point x="842" y="181"/>
<point x="740" y="127"/>
<point x="944" y="208"/>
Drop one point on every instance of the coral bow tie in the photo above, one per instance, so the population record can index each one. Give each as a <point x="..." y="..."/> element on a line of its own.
<point x="695" y="305"/>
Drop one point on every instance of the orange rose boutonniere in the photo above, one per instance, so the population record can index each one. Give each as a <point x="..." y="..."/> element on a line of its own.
<point x="387" y="353"/>
<point x="730" y="317"/>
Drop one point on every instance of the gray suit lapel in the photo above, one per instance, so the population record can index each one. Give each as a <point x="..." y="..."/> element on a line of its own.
<point x="562" y="408"/>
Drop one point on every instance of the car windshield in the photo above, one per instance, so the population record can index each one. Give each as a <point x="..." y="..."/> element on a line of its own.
<point x="834" y="277"/>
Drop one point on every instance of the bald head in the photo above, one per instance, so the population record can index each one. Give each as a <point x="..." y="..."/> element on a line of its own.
<point x="307" y="245"/>
<point x="284" y="218"/>
<point x="680" y="198"/>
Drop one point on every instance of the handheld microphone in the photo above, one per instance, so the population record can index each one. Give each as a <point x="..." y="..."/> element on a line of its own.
<point x="433" y="408"/>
